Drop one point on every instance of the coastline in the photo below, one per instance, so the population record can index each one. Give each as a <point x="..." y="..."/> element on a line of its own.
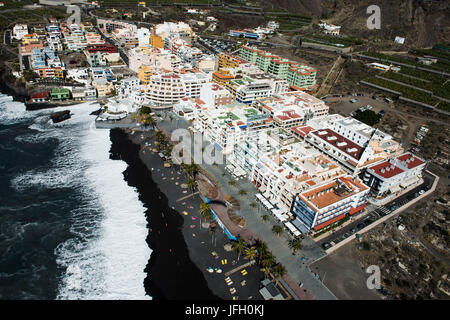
<point x="170" y="272"/>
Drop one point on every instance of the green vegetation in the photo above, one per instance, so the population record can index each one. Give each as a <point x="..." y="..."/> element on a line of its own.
<point x="406" y="92"/>
<point x="438" y="85"/>
<point x="368" y="117"/>
<point x="441" y="66"/>
<point x="445" y="106"/>
<point x="289" y="21"/>
<point x="333" y="40"/>
<point x="295" y="245"/>
<point x="278" y="230"/>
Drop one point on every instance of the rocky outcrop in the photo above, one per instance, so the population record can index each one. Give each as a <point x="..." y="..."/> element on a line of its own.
<point x="59" y="116"/>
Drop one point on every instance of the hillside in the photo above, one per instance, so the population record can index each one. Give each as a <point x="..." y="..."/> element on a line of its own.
<point x="422" y="22"/>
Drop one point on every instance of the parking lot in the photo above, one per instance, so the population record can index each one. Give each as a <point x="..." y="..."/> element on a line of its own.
<point x="342" y="104"/>
<point x="376" y="213"/>
<point x="215" y="45"/>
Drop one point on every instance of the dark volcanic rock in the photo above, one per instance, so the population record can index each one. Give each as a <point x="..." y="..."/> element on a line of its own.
<point x="60" y="116"/>
<point x="96" y="112"/>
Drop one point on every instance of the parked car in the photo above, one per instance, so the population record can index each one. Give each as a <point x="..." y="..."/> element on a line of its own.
<point x="374" y="98"/>
<point x="326" y="245"/>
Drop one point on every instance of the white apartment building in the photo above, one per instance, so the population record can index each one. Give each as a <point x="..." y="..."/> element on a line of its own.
<point x="214" y="95"/>
<point x="394" y="175"/>
<point x="140" y="56"/>
<point x="19" y="31"/>
<point x="282" y="173"/>
<point x="328" y="203"/>
<point x="229" y="125"/>
<point x="169" y="88"/>
<point x="143" y="35"/>
<point x="251" y="87"/>
<point x="350" y="142"/>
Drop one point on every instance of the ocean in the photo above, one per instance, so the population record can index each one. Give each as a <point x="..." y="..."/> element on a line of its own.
<point x="70" y="226"/>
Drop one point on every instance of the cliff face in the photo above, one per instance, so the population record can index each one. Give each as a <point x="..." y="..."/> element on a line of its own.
<point x="421" y="22"/>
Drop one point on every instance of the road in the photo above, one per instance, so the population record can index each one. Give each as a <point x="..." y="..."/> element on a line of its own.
<point x="375" y="213"/>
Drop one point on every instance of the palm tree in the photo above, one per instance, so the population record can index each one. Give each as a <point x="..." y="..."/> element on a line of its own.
<point x="278" y="230"/>
<point x="151" y="121"/>
<point x="242" y="192"/>
<point x="266" y="271"/>
<point x="278" y="271"/>
<point x="268" y="261"/>
<point x="253" y="205"/>
<point x="250" y="253"/>
<point x="265" y="218"/>
<point x="262" y="250"/>
<point x="168" y="150"/>
<point x="159" y="136"/>
<point x="191" y="183"/>
<point x="295" y="245"/>
<point x="238" y="246"/>
<point x="205" y="211"/>
<point x="232" y="183"/>
<point x="193" y="169"/>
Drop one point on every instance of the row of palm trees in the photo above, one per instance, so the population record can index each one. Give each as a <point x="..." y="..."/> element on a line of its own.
<point x="262" y="255"/>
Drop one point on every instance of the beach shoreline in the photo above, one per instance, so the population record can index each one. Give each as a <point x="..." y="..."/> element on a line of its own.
<point x="181" y="248"/>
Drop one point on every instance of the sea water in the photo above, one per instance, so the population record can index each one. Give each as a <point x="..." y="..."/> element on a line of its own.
<point x="70" y="226"/>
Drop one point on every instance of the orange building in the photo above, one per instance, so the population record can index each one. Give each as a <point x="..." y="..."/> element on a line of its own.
<point x="156" y="41"/>
<point x="144" y="74"/>
<point x="52" y="73"/>
<point x="222" y="77"/>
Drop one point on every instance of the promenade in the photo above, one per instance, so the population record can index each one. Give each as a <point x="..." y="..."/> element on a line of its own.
<point x="298" y="270"/>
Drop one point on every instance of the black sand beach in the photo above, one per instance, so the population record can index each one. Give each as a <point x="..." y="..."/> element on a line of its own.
<point x="181" y="249"/>
<point x="171" y="274"/>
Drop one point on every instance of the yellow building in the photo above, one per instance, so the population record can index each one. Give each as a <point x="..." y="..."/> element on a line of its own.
<point x="227" y="60"/>
<point x="156" y="41"/>
<point x="144" y="74"/>
<point x="30" y="38"/>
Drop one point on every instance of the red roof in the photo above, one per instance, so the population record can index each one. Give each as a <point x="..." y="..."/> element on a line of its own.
<point x="302" y="130"/>
<point x="40" y="95"/>
<point x="410" y="161"/>
<point x="348" y="143"/>
<point x="386" y="169"/>
<point x="107" y="47"/>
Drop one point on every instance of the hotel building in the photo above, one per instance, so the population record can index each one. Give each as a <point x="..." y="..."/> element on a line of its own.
<point x="321" y="206"/>
<point x="352" y="143"/>
<point x="394" y="175"/>
<point x="299" y="76"/>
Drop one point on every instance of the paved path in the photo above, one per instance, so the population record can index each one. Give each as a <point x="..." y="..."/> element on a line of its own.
<point x="299" y="271"/>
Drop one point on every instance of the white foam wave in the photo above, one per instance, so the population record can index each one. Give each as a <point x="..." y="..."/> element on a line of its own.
<point x="110" y="266"/>
<point x="15" y="111"/>
<point x="107" y="256"/>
